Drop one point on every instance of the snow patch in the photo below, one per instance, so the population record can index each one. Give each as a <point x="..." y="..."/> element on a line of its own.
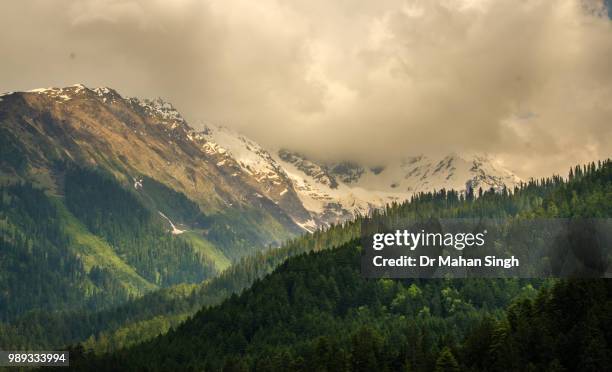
<point x="79" y="88"/>
<point x="309" y="225"/>
<point x="42" y="90"/>
<point x="5" y="94"/>
<point x="102" y="91"/>
<point x="252" y="159"/>
<point x="58" y="93"/>
<point x="137" y="183"/>
<point x="175" y="231"/>
<point x="162" y="109"/>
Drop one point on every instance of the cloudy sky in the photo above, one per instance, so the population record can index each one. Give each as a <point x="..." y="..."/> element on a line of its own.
<point x="527" y="81"/>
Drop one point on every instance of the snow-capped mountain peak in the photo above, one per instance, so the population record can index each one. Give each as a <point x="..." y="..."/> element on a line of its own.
<point x="251" y="156"/>
<point x="296" y="189"/>
<point x="337" y="191"/>
<point x="160" y="108"/>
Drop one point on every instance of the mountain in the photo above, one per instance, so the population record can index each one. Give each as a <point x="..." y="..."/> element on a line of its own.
<point x="219" y="168"/>
<point x="318" y="194"/>
<point x="340" y="191"/>
<point x="105" y="198"/>
<point x="317" y="312"/>
<point x="68" y="226"/>
<point x="144" y="144"/>
<point x="156" y="312"/>
<point x="585" y="193"/>
<point x="135" y="199"/>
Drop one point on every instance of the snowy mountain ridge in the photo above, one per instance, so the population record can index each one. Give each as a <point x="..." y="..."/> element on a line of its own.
<point x="236" y="170"/>
<point x="339" y="191"/>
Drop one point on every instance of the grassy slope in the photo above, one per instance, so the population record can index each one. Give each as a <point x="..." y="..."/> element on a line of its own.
<point x="207" y="249"/>
<point x="97" y="252"/>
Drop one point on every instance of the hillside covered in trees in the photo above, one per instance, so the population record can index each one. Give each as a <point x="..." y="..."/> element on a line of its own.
<point x="317" y="312"/>
<point x="146" y="317"/>
<point x="97" y="247"/>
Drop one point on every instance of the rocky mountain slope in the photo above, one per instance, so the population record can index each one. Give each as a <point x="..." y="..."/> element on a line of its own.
<point x="133" y="139"/>
<point x="104" y="198"/>
<point x="217" y="167"/>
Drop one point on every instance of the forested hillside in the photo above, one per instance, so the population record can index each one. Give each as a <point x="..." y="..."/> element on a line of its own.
<point x="36" y="269"/>
<point x="104" y="199"/>
<point x="154" y="313"/>
<point x="317" y="310"/>
<point x="96" y="247"/>
<point x="135" y="232"/>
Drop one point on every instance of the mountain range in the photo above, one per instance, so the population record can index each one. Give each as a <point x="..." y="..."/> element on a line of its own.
<point x="216" y="167"/>
<point x="316" y="311"/>
<point x="112" y="197"/>
<point x="124" y="230"/>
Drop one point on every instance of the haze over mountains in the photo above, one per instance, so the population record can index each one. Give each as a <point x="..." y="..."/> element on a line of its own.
<point x="399" y="76"/>
<point x="216" y="167"/>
